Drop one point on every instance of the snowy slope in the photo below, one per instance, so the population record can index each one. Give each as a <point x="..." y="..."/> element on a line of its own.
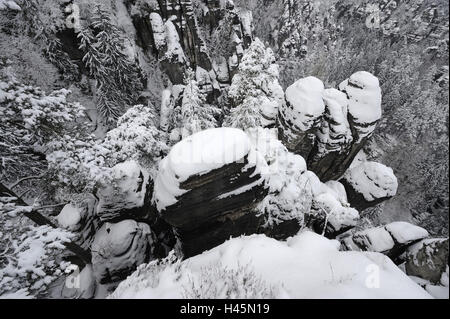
<point x="304" y="266"/>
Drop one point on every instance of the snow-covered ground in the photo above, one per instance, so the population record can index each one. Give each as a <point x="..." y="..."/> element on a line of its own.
<point x="305" y="266"/>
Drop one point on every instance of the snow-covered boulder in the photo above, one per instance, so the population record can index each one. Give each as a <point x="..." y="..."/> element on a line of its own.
<point x="330" y="213"/>
<point x="391" y="239"/>
<point x="119" y="248"/>
<point x="126" y="194"/>
<point x="9" y="4"/>
<point x="328" y="127"/>
<point x="428" y="259"/>
<point x="369" y="184"/>
<point x="305" y="266"/>
<point x="208" y="186"/>
<point x="81" y="219"/>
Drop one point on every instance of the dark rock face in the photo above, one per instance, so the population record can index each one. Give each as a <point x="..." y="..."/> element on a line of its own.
<point x="283" y="230"/>
<point x="176" y="32"/>
<point x="428" y="259"/>
<point x="391" y="239"/>
<point x="204" y="217"/>
<point x="328" y="127"/>
<point x="334" y="137"/>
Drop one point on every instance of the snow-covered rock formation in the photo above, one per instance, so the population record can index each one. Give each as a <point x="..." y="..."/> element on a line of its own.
<point x="208" y="186"/>
<point x="328" y="127"/>
<point x="369" y="184"/>
<point x="391" y="239"/>
<point x="81" y="220"/>
<point x="330" y="212"/>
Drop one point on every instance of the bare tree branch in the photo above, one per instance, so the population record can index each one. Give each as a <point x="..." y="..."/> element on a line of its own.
<point x="25" y="179"/>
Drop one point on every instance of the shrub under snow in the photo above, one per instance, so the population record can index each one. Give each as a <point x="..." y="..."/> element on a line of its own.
<point x="81" y="164"/>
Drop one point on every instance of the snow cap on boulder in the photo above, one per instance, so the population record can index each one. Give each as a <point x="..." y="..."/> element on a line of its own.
<point x="199" y="154"/>
<point x="373" y="180"/>
<point x="364" y="94"/>
<point x="305" y="99"/>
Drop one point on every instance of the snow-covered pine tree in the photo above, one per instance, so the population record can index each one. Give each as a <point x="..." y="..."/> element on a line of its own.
<point x="32" y="21"/>
<point x="196" y="115"/>
<point x="80" y="164"/>
<point x="119" y="80"/>
<point x="255" y="93"/>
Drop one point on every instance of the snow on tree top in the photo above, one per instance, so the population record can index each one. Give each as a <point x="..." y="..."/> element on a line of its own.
<point x="364" y="93"/>
<point x="198" y="154"/>
<point x="373" y="180"/>
<point x="305" y="97"/>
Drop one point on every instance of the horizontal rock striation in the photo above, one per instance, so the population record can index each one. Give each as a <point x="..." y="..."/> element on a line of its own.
<point x="369" y="184"/>
<point x="207" y="206"/>
<point x="391" y="239"/>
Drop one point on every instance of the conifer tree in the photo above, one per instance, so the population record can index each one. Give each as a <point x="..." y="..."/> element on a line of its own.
<point x="196" y="114"/>
<point x="255" y="93"/>
<point x="119" y="80"/>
